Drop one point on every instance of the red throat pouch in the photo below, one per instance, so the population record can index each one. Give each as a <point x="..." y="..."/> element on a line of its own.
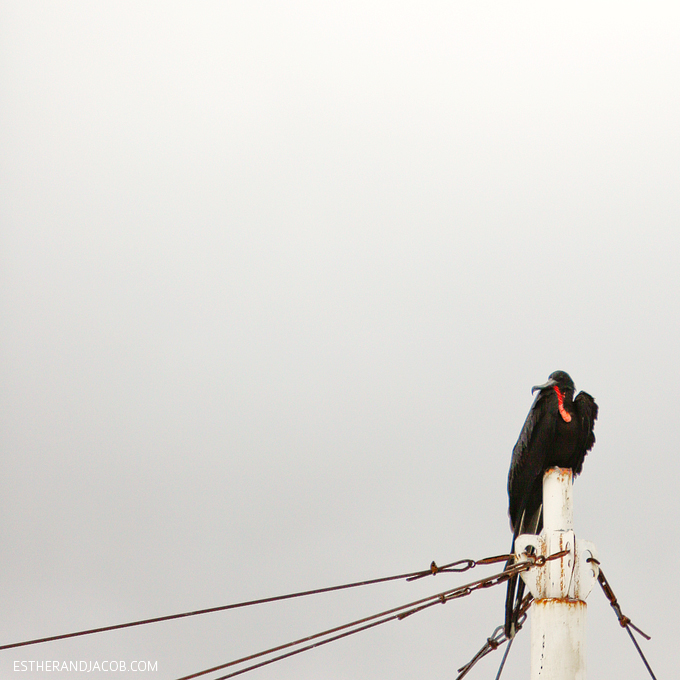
<point x="560" y="405"/>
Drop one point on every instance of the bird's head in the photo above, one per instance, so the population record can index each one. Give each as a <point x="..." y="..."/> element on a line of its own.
<point x="558" y="379"/>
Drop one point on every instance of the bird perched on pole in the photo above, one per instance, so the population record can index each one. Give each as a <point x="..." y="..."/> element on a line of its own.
<point x="558" y="432"/>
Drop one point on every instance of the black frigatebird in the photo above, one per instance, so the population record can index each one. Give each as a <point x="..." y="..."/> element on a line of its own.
<point x="557" y="432"/>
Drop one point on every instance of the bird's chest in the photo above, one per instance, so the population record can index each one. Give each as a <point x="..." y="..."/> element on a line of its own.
<point x="566" y="440"/>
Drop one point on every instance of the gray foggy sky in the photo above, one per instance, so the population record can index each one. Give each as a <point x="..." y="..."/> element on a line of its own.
<point x="276" y="280"/>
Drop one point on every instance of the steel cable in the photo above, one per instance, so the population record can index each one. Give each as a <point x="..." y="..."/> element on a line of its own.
<point x="496" y="640"/>
<point x="624" y="621"/>
<point x="400" y="612"/>
<point x="458" y="566"/>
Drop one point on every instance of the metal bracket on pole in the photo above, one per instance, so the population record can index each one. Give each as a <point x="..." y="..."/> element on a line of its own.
<point x="560" y="586"/>
<point x="571" y="577"/>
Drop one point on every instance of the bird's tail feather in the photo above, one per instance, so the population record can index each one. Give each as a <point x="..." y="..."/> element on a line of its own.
<point x="510" y="606"/>
<point x="512" y="586"/>
<point x="515" y="593"/>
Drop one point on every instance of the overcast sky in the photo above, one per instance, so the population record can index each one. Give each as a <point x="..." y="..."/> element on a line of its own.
<point x="276" y="280"/>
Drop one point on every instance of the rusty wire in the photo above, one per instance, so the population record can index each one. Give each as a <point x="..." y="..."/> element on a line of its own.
<point x="624" y="621"/>
<point x="459" y="566"/>
<point x="397" y="613"/>
<point x="497" y="639"/>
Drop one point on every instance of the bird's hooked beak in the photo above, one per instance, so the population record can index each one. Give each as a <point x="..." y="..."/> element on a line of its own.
<point x="551" y="383"/>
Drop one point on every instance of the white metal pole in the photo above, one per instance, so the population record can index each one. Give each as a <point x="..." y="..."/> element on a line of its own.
<point x="558" y="628"/>
<point x="558" y="614"/>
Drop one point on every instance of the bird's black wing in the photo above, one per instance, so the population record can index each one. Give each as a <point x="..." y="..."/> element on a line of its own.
<point x="586" y="408"/>
<point x="525" y="489"/>
<point x="528" y="456"/>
